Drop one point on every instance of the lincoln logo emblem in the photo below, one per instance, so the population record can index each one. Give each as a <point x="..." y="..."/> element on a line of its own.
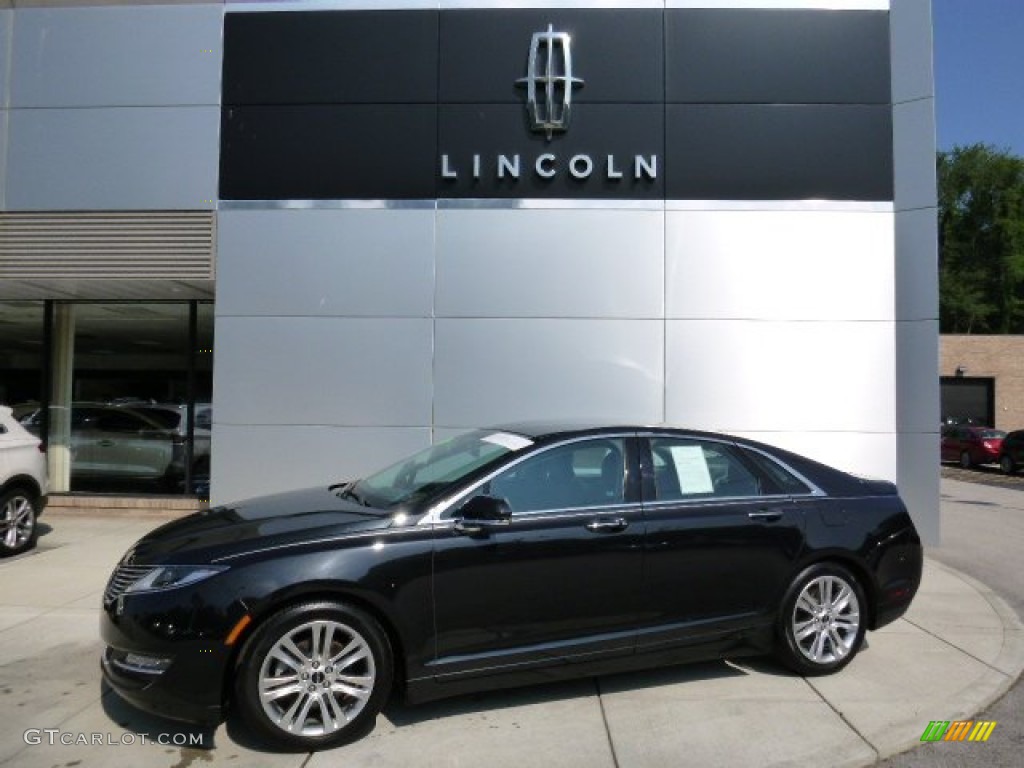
<point x="549" y="81"/>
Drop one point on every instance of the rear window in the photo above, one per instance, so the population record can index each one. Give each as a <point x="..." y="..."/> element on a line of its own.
<point x="991" y="434"/>
<point x="786" y="481"/>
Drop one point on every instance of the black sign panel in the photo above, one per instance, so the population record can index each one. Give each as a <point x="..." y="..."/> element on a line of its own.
<point x="646" y="104"/>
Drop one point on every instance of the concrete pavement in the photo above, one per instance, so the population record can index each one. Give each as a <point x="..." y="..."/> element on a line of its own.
<point x="959" y="648"/>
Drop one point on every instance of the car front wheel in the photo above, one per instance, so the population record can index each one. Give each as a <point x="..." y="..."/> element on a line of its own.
<point x="965" y="460"/>
<point x="1007" y="466"/>
<point x="822" y="620"/>
<point x="315" y="675"/>
<point x="17" y="522"/>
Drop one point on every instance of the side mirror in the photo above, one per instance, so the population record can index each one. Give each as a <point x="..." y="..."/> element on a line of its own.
<point x="482" y="512"/>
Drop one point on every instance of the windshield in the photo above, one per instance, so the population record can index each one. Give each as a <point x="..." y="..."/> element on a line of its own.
<point x="430" y="471"/>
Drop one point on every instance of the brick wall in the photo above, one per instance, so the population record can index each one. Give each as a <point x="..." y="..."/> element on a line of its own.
<point x="1002" y="358"/>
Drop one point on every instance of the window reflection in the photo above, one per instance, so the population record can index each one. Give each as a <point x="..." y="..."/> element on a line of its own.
<point x="129" y="397"/>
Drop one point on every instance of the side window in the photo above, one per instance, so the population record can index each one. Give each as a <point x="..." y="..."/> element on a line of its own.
<point x="785" y="480"/>
<point x="587" y="473"/>
<point x="120" y="422"/>
<point x="686" y="469"/>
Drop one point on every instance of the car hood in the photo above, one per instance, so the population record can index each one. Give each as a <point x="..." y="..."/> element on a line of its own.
<point x="236" y="529"/>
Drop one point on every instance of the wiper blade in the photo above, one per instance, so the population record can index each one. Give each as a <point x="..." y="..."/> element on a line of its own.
<point x="349" y="492"/>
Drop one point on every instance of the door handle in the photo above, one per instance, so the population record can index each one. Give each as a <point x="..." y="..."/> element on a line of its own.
<point x="613" y="525"/>
<point x="767" y="515"/>
<point x="105" y="443"/>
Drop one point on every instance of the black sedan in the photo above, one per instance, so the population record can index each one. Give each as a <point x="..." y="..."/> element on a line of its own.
<point x="499" y="558"/>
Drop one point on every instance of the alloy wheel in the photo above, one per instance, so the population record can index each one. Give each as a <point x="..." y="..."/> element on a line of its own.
<point x="826" y="620"/>
<point x="317" y="678"/>
<point x="17" y="522"/>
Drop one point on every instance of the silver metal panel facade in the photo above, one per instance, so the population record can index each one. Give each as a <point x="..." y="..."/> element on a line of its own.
<point x="117" y="56"/>
<point x="326" y="262"/>
<point x="128" y="158"/>
<point x="497" y="370"/>
<point x="113" y="107"/>
<point x="550" y="263"/>
<point x="875" y="454"/>
<point x="822" y="265"/>
<point x="917" y="275"/>
<point x="315" y="454"/>
<point x="322" y="370"/>
<point x="6" y="28"/>
<point x="805" y="376"/>
<point x="917" y="294"/>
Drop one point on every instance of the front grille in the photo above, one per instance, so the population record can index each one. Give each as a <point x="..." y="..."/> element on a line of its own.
<point x="122" y="578"/>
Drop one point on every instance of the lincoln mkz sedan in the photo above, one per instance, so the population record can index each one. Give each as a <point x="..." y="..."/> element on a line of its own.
<point x="499" y="558"/>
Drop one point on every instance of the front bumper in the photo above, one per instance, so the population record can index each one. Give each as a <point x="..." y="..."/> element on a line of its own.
<point x="190" y="682"/>
<point x="151" y="693"/>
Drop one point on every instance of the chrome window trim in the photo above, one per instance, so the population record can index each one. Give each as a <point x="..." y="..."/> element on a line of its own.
<point x="327" y="205"/>
<point x="567" y="203"/>
<point x="440" y="508"/>
<point x="563" y="512"/>
<point x="715" y="501"/>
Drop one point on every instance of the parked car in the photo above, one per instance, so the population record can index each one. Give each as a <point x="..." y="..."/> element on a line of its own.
<point x="503" y="557"/>
<point x="971" y="445"/>
<point x="23" y="485"/>
<point x="174" y="418"/>
<point x="113" y="443"/>
<point x="1011" y="454"/>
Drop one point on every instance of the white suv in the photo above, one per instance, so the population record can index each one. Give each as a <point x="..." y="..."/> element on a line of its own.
<point x="23" y="485"/>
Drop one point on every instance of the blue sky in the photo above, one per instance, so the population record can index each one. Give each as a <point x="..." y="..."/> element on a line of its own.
<point x="979" y="72"/>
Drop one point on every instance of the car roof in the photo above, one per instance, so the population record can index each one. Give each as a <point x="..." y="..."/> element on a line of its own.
<point x="556" y="430"/>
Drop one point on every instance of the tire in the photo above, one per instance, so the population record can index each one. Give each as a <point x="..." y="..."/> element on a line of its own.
<point x="1007" y="466"/>
<point x="18" y="512"/>
<point x="290" y="687"/>
<point x="965" y="460"/>
<point x="822" y="620"/>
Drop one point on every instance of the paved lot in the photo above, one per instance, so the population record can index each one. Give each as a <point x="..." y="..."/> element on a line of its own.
<point x="988" y="474"/>
<point x="959" y="648"/>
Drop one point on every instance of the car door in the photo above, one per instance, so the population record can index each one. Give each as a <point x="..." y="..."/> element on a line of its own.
<point x="560" y="579"/>
<point x="722" y="540"/>
<point x="125" y="444"/>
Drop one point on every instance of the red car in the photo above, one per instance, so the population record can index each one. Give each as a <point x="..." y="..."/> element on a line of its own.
<point x="971" y="445"/>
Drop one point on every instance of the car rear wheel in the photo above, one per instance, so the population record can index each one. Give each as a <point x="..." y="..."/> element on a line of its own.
<point x="1007" y="466"/>
<point x="315" y="675"/>
<point x="18" y="514"/>
<point x="965" y="460"/>
<point x="822" y="620"/>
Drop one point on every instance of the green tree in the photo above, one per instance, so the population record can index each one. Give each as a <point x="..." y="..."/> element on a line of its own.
<point x="981" y="240"/>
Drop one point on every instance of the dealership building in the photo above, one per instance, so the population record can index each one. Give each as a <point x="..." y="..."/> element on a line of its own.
<point x="355" y="228"/>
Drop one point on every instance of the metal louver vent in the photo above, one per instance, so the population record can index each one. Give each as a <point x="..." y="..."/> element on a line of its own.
<point x="174" y="246"/>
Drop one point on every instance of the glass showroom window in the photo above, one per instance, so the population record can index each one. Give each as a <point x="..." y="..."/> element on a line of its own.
<point x="125" y="378"/>
<point x="21" y="355"/>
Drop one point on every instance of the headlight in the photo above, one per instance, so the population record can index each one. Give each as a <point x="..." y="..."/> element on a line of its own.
<point x="173" y="576"/>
